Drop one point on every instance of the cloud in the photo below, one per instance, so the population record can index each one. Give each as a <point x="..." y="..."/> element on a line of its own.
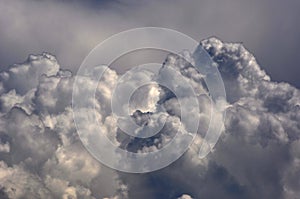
<point x="17" y="183"/>
<point x="184" y="196"/>
<point x="41" y="154"/>
<point x="256" y="157"/>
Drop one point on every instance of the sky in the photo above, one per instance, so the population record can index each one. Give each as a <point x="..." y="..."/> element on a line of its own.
<point x="70" y="29"/>
<point x="253" y="44"/>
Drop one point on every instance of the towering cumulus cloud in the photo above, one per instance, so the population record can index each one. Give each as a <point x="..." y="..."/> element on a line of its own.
<point x="257" y="155"/>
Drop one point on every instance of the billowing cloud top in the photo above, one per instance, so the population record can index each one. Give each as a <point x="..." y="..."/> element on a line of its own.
<point x="256" y="157"/>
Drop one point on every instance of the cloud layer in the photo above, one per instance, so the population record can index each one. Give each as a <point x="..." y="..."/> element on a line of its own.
<point x="256" y="157"/>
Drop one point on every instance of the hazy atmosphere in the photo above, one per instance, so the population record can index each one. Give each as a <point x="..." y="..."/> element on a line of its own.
<point x="70" y="29"/>
<point x="254" y="45"/>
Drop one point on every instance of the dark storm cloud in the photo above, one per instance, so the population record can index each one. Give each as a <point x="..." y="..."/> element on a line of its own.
<point x="70" y="29"/>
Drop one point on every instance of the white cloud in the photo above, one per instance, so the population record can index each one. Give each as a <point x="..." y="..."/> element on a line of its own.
<point x="257" y="156"/>
<point x="18" y="183"/>
<point x="39" y="138"/>
<point x="185" y="196"/>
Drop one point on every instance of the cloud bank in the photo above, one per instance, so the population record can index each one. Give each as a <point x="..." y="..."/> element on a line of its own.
<point x="256" y="157"/>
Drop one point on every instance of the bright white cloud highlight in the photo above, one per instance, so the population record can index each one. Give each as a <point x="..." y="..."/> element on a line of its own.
<point x="256" y="157"/>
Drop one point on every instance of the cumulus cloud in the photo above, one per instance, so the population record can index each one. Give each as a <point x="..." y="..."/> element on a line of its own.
<point x="184" y="196"/>
<point x="41" y="155"/>
<point x="256" y="157"/>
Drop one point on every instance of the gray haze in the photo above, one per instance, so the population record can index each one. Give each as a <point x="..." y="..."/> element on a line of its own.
<point x="70" y="29"/>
